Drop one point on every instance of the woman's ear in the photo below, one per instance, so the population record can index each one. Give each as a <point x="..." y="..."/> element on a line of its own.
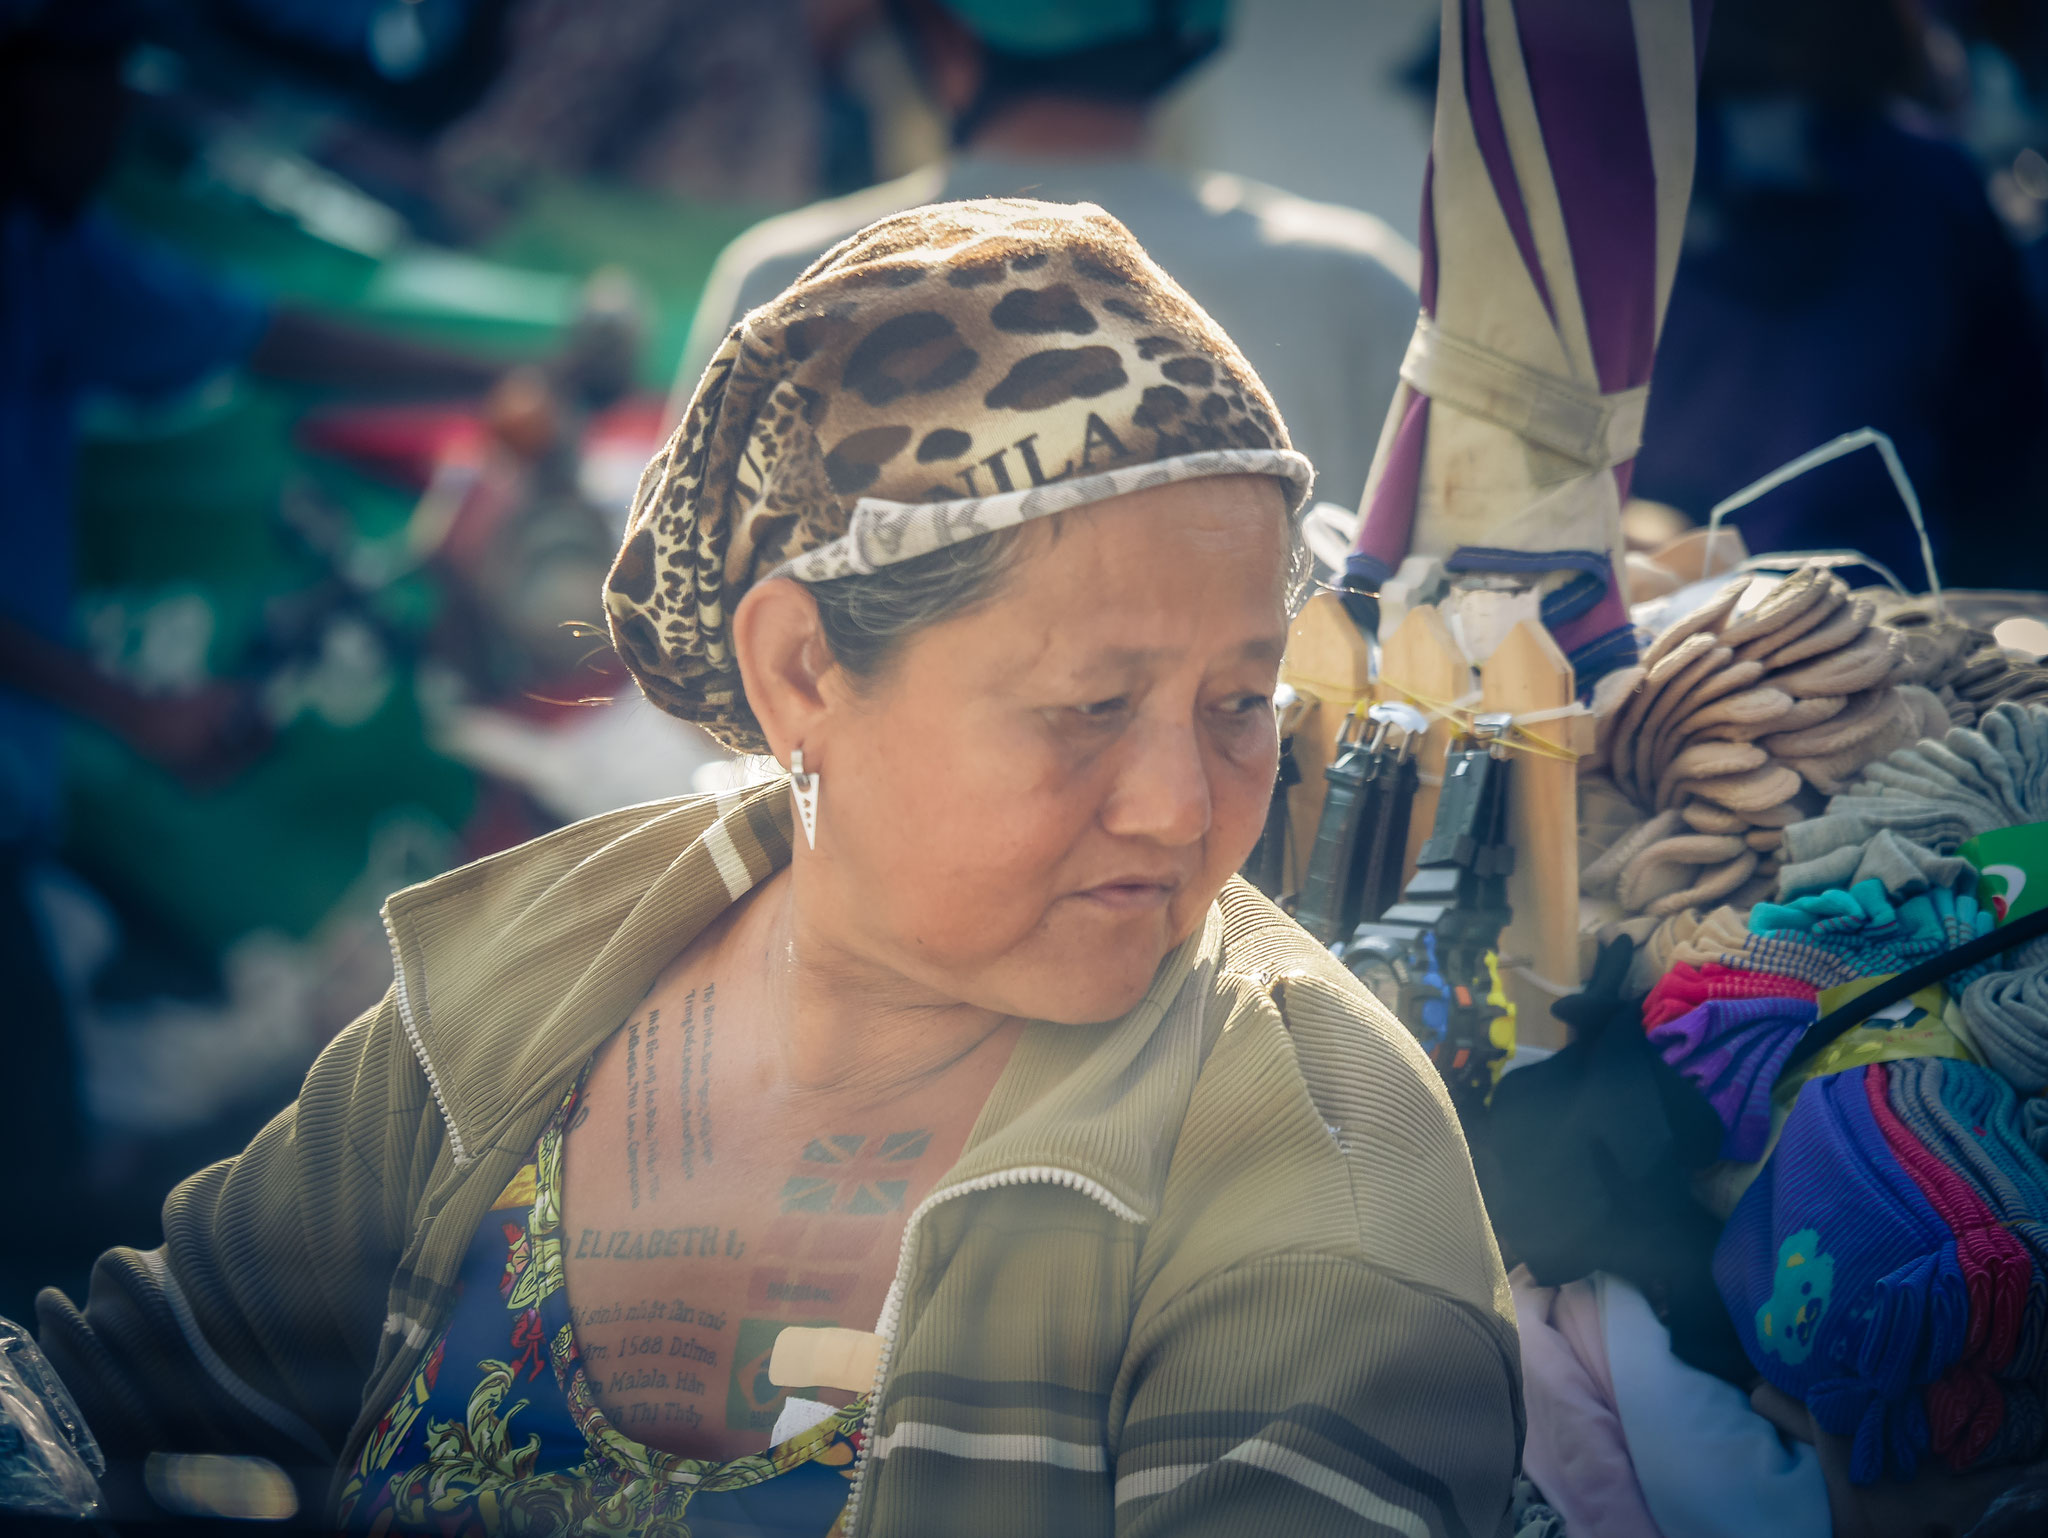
<point x="784" y="662"/>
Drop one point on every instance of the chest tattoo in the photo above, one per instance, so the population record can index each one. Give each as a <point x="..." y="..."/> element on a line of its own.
<point x="669" y="1361"/>
<point x="668" y="1095"/>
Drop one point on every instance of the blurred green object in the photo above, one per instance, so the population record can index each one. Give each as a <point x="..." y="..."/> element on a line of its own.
<point x="186" y="563"/>
<point x="274" y="850"/>
<point x="318" y="244"/>
<point x="209" y="221"/>
<point x="182" y="550"/>
<point x="668" y="247"/>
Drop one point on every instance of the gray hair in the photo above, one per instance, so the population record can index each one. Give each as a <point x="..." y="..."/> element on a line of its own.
<point x="867" y="618"/>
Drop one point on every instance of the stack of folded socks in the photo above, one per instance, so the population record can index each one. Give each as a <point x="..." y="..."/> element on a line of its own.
<point x="1971" y="1120"/>
<point x="1900" y="825"/>
<point x="1890" y="1267"/>
<point x="1733" y="1051"/>
<point x="1990" y="677"/>
<point x="1732" y="728"/>
<point x="1964" y="666"/>
<point x="1928" y="798"/>
<point x="1687" y="986"/>
<point x="1842" y="1281"/>
<point x="1871" y="931"/>
<point x="1722" y="937"/>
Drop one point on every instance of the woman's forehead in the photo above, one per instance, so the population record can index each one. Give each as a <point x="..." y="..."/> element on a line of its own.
<point x="1179" y="530"/>
<point x="1143" y="588"/>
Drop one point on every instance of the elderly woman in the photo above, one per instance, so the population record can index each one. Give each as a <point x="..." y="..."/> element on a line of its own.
<point x="963" y="1033"/>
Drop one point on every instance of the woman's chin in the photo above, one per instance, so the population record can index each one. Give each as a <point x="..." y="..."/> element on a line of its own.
<point x="1093" y="982"/>
<point x="1083" y="963"/>
<point x="1088" y="1008"/>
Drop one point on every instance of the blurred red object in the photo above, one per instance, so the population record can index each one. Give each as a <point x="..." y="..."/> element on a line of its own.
<point x="395" y="443"/>
<point x="404" y="444"/>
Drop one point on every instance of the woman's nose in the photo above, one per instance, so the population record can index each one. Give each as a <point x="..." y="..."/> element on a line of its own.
<point x="1162" y="787"/>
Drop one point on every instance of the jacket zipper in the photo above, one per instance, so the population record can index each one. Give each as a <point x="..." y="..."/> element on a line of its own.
<point x="418" y="1043"/>
<point x="892" y="1304"/>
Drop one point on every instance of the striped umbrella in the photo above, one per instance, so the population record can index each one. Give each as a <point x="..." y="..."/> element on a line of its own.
<point x="1552" y="211"/>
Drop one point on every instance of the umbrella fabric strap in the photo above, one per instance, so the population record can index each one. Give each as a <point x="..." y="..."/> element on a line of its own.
<point x="1556" y="413"/>
<point x="1561" y="605"/>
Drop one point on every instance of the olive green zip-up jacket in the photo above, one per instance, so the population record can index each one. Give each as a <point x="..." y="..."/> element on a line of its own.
<point x="1217" y="1267"/>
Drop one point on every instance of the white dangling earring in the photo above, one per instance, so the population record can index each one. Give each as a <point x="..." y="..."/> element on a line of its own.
<point x="805" y="788"/>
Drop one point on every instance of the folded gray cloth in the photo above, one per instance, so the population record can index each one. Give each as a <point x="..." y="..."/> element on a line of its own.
<point x="1902" y="865"/>
<point x="1938" y="825"/>
<point x="2006" y="1014"/>
<point x="2034" y="1123"/>
<point x="2001" y="767"/>
<point x="1932" y="794"/>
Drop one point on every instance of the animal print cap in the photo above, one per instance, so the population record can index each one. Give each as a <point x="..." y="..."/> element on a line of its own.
<point x="944" y="373"/>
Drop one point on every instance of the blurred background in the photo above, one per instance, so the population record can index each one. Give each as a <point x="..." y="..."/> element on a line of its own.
<point x="334" y="335"/>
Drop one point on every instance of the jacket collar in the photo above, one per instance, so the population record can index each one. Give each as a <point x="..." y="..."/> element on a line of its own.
<point x="510" y="972"/>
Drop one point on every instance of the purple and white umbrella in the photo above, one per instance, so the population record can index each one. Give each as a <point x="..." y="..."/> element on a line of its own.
<point x="1552" y="210"/>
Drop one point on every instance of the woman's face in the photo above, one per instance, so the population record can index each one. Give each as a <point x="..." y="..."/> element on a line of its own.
<point x="1041" y="797"/>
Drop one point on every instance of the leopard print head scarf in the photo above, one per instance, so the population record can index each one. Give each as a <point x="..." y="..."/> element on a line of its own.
<point x="944" y="373"/>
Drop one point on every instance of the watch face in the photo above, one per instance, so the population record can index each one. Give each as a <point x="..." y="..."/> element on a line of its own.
<point x="1384" y="985"/>
<point x="1379" y="977"/>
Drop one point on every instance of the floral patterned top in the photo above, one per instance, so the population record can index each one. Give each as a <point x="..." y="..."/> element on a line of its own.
<point x="498" y="1431"/>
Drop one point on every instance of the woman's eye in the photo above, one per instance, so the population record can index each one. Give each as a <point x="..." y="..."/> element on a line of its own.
<point x="1247" y="704"/>
<point x="1098" y="710"/>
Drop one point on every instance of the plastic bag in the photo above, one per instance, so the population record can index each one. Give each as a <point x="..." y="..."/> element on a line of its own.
<point x="49" y="1463"/>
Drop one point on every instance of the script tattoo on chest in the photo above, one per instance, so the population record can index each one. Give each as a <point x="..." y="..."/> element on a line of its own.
<point x="654" y="1373"/>
<point x="650" y="1111"/>
<point x="689" y="1242"/>
<point x="643" y="1115"/>
<point x="693" y="1081"/>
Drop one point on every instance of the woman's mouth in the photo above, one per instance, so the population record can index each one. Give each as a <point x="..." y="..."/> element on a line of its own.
<point x="1130" y="896"/>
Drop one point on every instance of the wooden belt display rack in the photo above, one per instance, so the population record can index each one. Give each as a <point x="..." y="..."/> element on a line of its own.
<point x="1329" y="668"/>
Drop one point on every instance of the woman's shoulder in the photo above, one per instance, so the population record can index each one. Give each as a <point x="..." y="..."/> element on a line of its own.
<point x="562" y="849"/>
<point x="622" y="851"/>
<point x="1315" y="997"/>
<point x="1318" y="1125"/>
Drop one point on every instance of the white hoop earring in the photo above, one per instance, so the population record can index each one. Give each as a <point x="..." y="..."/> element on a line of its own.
<point x="804" y="787"/>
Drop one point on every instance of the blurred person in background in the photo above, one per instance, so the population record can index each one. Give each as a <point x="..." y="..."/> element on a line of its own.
<point x="86" y="310"/>
<point x="464" y="107"/>
<point x="1051" y="99"/>
<point x="699" y="98"/>
<point x="1843" y="268"/>
<point x="1996" y="52"/>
